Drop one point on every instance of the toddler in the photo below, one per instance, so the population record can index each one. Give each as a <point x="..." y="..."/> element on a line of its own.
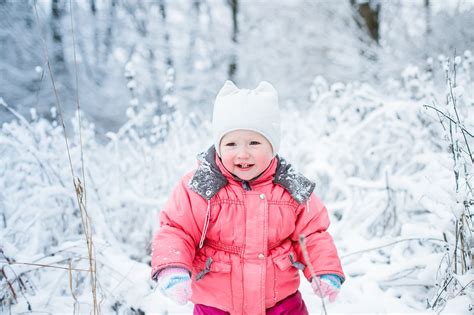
<point x="229" y="235"/>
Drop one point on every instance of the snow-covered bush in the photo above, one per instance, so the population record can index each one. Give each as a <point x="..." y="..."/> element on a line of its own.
<point x="455" y="274"/>
<point x="395" y="175"/>
<point x="384" y="167"/>
<point x="44" y="251"/>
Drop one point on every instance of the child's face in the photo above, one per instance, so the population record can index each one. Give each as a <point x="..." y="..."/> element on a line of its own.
<point x="245" y="153"/>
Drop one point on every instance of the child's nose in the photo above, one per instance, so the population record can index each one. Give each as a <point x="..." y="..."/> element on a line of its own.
<point x="243" y="152"/>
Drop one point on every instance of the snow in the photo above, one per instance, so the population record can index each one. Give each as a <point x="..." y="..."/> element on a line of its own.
<point x="385" y="168"/>
<point x="383" y="164"/>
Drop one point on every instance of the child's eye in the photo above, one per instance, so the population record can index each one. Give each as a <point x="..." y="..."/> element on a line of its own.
<point x="254" y="142"/>
<point x="230" y="144"/>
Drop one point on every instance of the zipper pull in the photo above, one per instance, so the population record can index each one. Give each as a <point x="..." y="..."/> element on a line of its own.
<point x="246" y="185"/>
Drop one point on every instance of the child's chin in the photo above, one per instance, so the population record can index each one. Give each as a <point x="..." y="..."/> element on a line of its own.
<point x="245" y="176"/>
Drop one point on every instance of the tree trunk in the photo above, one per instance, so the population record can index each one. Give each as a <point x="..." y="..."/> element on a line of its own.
<point x="82" y="49"/>
<point x="109" y="33"/>
<point x="209" y="32"/>
<point x="428" y="17"/>
<point x="93" y="7"/>
<point x="193" y="35"/>
<point x="58" y="51"/>
<point x="232" y="70"/>
<point x="370" y="15"/>
<point x="96" y="44"/>
<point x="168" y="57"/>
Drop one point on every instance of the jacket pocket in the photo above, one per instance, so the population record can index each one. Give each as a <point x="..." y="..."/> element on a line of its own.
<point x="282" y="262"/>
<point x="211" y="266"/>
<point x="212" y="282"/>
<point x="286" y="276"/>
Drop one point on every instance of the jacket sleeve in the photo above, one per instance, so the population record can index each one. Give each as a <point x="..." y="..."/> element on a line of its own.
<point x="313" y="223"/>
<point x="174" y="244"/>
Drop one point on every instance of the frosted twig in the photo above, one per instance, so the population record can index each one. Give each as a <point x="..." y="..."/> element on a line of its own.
<point x="463" y="131"/>
<point x="10" y="285"/>
<point x="17" y="115"/>
<point x="310" y="266"/>
<point x="392" y="243"/>
<point x="58" y="104"/>
<point x="17" y="278"/>
<point x="70" y="285"/>
<point x="441" y="291"/>
<point x="43" y="265"/>
<point x="448" y="117"/>
<point x="77" y="101"/>
<point x="388" y="217"/>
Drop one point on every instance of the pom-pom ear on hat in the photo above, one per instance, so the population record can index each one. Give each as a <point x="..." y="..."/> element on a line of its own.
<point x="255" y="110"/>
<point x="228" y="88"/>
<point x="263" y="86"/>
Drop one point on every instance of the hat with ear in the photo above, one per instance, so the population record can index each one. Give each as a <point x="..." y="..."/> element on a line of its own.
<point x="255" y="110"/>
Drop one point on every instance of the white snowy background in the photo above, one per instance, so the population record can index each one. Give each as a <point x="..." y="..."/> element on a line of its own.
<point x="385" y="127"/>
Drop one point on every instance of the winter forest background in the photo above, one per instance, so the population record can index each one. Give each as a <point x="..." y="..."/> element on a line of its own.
<point x="377" y="107"/>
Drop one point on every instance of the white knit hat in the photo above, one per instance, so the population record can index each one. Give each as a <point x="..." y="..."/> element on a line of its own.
<point x="255" y="110"/>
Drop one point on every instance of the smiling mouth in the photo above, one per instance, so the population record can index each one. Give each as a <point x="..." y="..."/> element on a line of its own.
<point x="244" y="166"/>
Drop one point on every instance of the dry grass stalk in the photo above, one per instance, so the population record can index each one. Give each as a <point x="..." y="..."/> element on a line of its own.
<point x="310" y="266"/>
<point x="78" y="187"/>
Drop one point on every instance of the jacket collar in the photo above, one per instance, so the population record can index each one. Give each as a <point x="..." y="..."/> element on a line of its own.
<point x="211" y="176"/>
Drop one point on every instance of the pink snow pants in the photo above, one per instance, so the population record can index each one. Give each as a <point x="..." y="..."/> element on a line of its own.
<point x="292" y="305"/>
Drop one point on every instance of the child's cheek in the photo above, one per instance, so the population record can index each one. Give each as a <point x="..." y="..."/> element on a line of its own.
<point x="263" y="160"/>
<point x="227" y="161"/>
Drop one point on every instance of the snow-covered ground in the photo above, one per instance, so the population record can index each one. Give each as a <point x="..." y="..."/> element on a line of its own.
<point x="382" y="162"/>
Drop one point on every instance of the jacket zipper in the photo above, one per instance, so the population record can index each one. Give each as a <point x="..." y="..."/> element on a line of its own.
<point x="246" y="185"/>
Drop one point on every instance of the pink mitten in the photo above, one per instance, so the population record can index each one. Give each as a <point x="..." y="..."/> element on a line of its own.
<point x="329" y="286"/>
<point x="175" y="283"/>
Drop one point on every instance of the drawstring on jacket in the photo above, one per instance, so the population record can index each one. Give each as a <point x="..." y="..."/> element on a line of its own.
<point x="307" y="204"/>
<point x="245" y="186"/>
<point x="206" y="223"/>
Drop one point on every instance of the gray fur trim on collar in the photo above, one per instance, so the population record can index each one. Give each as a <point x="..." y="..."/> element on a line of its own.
<point x="208" y="179"/>
<point x="295" y="183"/>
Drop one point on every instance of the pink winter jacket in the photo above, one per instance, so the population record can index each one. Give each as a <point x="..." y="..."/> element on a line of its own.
<point x="240" y="240"/>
